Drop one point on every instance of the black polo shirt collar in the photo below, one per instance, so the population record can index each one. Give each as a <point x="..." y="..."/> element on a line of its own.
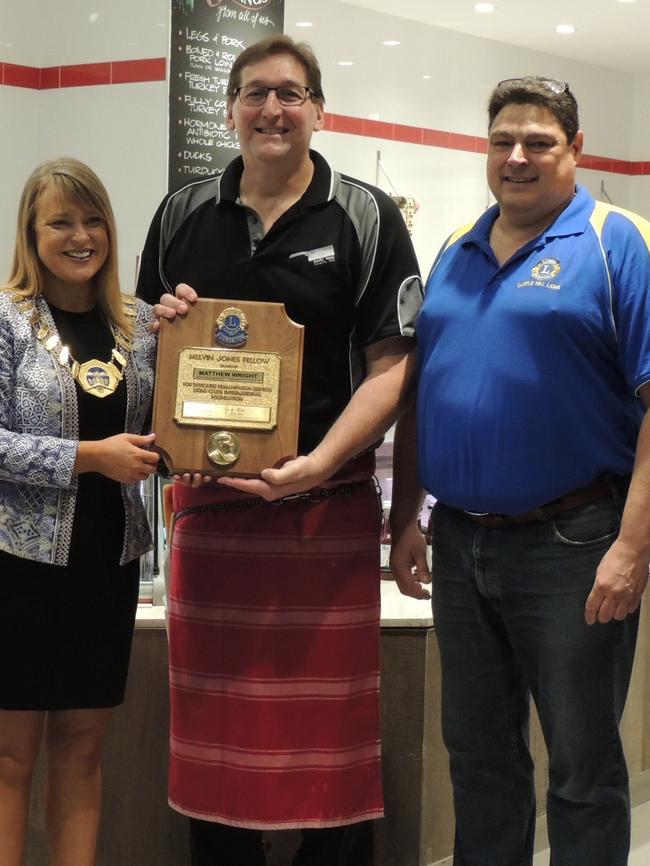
<point x="321" y="189"/>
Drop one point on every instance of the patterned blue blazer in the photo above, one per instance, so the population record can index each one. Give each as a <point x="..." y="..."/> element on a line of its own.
<point x="39" y="433"/>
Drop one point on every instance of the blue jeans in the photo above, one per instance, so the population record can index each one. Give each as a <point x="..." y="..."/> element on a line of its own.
<point x="509" y="615"/>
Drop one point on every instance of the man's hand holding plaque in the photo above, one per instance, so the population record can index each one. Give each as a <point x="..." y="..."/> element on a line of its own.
<point x="227" y="395"/>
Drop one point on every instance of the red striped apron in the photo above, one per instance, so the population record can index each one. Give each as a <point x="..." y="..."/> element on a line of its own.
<point x="274" y="657"/>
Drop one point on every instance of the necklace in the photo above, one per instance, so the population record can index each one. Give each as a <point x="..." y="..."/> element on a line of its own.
<point x="99" y="378"/>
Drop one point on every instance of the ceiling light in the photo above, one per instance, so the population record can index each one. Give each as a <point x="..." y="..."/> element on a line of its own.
<point x="345" y="63"/>
<point x="565" y="28"/>
<point x="304" y="24"/>
<point x="427" y="76"/>
<point x="390" y="42"/>
<point x="93" y="17"/>
<point x="484" y="7"/>
<point x="626" y="1"/>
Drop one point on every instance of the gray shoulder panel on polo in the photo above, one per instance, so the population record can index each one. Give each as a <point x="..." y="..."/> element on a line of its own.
<point x="409" y="302"/>
<point x="362" y="210"/>
<point x="179" y="207"/>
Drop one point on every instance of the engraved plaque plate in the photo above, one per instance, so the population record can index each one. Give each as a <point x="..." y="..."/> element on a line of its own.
<point x="228" y="388"/>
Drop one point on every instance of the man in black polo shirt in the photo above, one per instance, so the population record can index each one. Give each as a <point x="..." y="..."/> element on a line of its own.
<point x="274" y="638"/>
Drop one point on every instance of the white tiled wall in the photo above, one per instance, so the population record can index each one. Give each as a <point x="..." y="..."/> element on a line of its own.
<point x="21" y="33"/>
<point x="122" y="134"/>
<point x="85" y="31"/>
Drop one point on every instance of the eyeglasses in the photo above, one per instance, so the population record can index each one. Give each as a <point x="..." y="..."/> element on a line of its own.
<point x="288" y="94"/>
<point x="549" y="83"/>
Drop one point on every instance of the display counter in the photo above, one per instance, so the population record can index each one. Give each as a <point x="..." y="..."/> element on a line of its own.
<point x="138" y="828"/>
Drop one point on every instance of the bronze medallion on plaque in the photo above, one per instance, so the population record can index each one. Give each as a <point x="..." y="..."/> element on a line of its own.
<point x="227" y="395"/>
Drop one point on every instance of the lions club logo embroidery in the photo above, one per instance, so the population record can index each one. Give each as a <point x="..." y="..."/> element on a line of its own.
<point x="547" y="269"/>
<point x="542" y="275"/>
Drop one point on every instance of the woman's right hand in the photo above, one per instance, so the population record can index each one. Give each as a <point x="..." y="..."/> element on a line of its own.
<point x="172" y="305"/>
<point x="125" y="457"/>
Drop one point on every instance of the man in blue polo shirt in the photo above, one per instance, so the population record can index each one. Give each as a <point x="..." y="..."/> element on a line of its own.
<point x="534" y="360"/>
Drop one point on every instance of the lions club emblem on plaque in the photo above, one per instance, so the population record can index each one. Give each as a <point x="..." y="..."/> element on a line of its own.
<point x="231" y="328"/>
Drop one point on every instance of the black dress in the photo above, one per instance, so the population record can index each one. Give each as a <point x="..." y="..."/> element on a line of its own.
<point x="65" y="631"/>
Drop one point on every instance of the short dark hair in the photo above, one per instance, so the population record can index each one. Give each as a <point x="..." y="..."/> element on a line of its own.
<point x="271" y="47"/>
<point x="537" y="90"/>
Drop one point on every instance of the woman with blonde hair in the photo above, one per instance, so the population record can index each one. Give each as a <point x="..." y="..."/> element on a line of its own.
<point x="76" y="375"/>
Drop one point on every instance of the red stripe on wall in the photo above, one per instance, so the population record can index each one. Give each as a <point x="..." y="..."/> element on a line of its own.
<point x="130" y="71"/>
<point x="50" y="77"/>
<point x="377" y="129"/>
<point x="620" y="166"/>
<point x="21" y="76"/>
<point x="84" y="74"/>
<point x="639" y="168"/>
<point x="411" y="134"/>
<point x="343" y="123"/>
<point x="597" y="163"/>
<point x="436" y="138"/>
<point x="155" y="69"/>
<point x="457" y="141"/>
<point x="469" y="143"/>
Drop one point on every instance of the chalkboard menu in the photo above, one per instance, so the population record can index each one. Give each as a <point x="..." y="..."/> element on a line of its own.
<point x="206" y="37"/>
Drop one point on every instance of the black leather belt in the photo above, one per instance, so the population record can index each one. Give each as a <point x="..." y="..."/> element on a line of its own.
<point x="607" y="487"/>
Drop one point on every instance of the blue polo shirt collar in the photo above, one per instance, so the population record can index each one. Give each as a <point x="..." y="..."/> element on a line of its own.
<point x="573" y="220"/>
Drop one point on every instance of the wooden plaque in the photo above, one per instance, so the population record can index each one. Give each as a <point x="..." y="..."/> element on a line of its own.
<point x="227" y="395"/>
